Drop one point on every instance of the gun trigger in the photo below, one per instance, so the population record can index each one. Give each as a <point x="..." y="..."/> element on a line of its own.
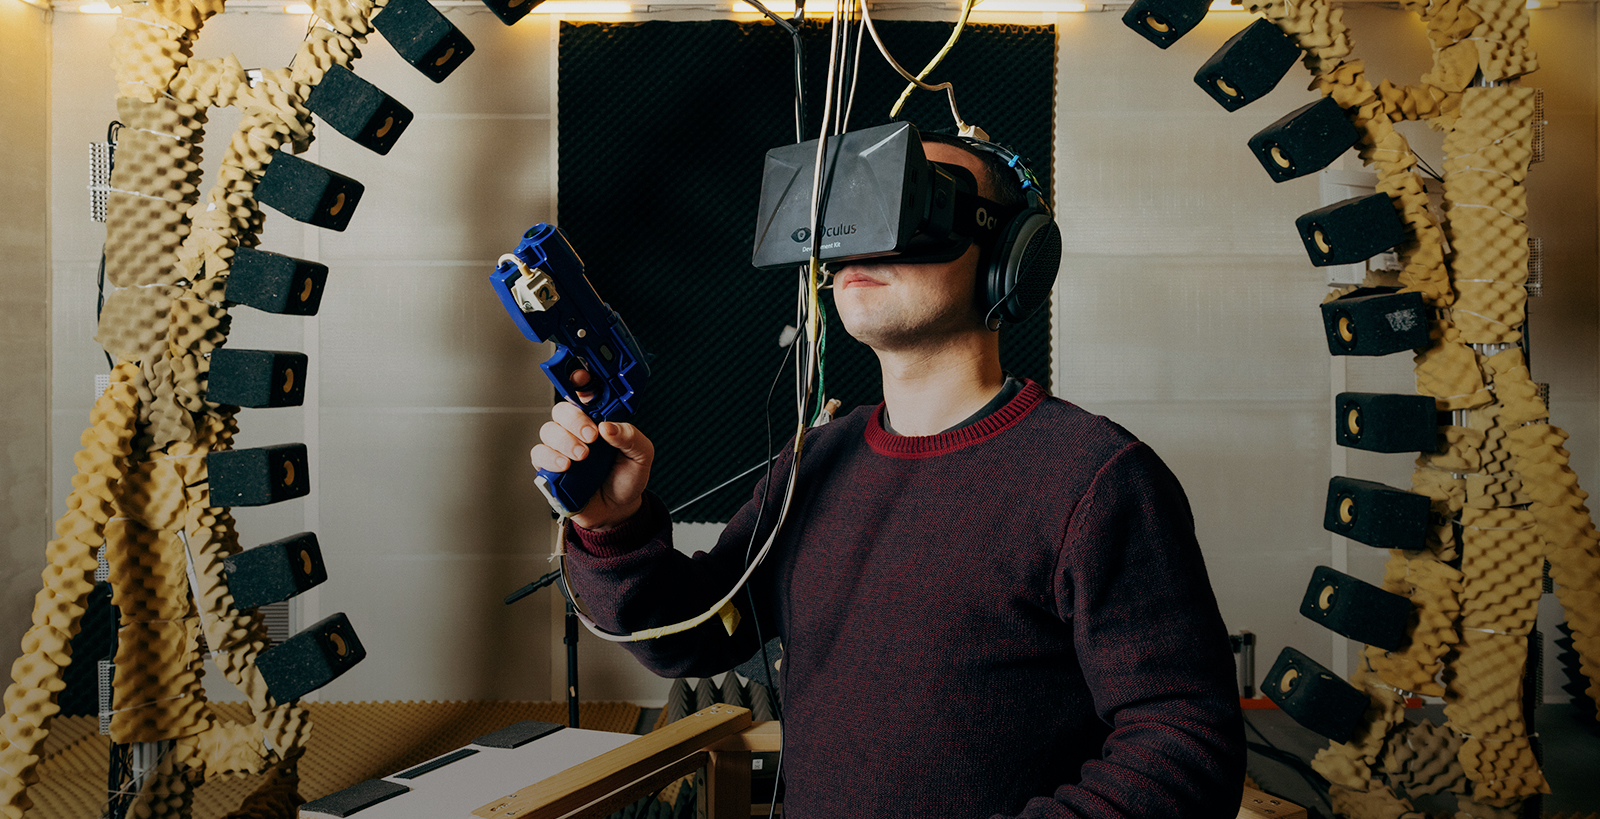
<point x="729" y="616"/>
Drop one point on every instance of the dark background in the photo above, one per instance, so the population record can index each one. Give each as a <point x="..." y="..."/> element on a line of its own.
<point x="663" y="131"/>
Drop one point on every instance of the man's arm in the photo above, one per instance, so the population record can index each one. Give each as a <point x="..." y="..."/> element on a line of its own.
<point x="1154" y="651"/>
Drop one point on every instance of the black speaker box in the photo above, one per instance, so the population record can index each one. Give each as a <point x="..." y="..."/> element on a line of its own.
<point x="307" y="192"/>
<point x="1307" y="140"/>
<point x="1377" y="515"/>
<point x="1314" y="696"/>
<point x="1378" y="422"/>
<point x="1248" y="66"/>
<point x="256" y="477"/>
<point x="1375" y="321"/>
<point x="1351" y="231"/>
<point x="423" y="37"/>
<point x="1357" y="609"/>
<point x="358" y="109"/>
<point x="274" y="571"/>
<point x="1164" y="21"/>
<point x="257" y="378"/>
<point x="311" y="659"/>
<point x="275" y="283"/>
<point x="510" y="11"/>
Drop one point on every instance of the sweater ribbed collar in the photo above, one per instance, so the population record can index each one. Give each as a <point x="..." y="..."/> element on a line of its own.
<point x="887" y="443"/>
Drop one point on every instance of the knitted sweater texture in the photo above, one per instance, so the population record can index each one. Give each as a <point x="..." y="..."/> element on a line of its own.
<point x="1012" y="618"/>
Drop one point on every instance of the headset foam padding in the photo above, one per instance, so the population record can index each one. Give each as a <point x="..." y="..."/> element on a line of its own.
<point x="1357" y="609"/>
<point x="276" y="571"/>
<point x="1305" y="141"/>
<point x="311" y="659"/>
<point x="1314" y="696"/>
<point x="423" y="37"/>
<point x="358" y="109"/>
<point x="1379" y="422"/>
<point x="1351" y="231"/>
<point x="307" y="192"/>
<point x="1374" y="321"/>
<point x="274" y="283"/>
<point x="510" y="11"/>
<point x="1248" y="66"/>
<point x="1376" y="514"/>
<point x="259" y="476"/>
<point x="257" y="378"/>
<point x="1164" y="21"/>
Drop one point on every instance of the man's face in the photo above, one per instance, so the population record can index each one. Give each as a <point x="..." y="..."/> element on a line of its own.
<point x="893" y="305"/>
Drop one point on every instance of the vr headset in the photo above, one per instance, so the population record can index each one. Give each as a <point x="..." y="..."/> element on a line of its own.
<point x="880" y="197"/>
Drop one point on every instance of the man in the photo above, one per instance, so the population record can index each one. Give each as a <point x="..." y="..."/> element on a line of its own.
<point x="991" y="601"/>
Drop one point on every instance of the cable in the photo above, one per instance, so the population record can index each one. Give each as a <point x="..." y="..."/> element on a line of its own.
<point x="1318" y="784"/>
<point x="961" y="125"/>
<point x="961" y="22"/>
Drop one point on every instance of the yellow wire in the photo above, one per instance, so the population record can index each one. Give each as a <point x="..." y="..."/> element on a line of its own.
<point x="961" y="22"/>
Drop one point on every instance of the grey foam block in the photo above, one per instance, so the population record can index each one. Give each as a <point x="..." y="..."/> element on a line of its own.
<point x="517" y="734"/>
<point x="355" y="798"/>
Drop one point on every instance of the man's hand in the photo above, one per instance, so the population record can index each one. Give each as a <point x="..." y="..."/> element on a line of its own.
<point x="565" y="439"/>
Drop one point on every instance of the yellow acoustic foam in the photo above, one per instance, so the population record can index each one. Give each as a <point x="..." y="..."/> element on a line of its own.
<point x="170" y="117"/>
<point x="1434" y="588"/>
<point x="142" y="238"/>
<point x="1448" y="370"/>
<point x="156" y="691"/>
<point x="191" y="14"/>
<point x="1490" y="245"/>
<point x="1490" y="312"/>
<point x="1421" y="758"/>
<point x="1503" y="569"/>
<point x="1506" y="770"/>
<point x="155" y="165"/>
<point x="213" y="82"/>
<point x="1461" y="453"/>
<point x="1375" y="802"/>
<point x="323" y="49"/>
<point x="278" y="96"/>
<point x="146" y="52"/>
<point x="1446" y="490"/>
<point x="1502" y="39"/>
<point x="351" y="18"/>
<point x="134" y="321"/>
<point x="1514" y="389"/>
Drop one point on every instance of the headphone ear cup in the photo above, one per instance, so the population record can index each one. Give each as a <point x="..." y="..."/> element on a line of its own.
<point x="1024" y="266"/>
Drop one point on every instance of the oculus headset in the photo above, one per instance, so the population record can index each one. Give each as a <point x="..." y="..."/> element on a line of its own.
<point x="883" y="199"/>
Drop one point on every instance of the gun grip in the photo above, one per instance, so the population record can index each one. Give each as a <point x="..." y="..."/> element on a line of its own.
<point x="570" y="491"/>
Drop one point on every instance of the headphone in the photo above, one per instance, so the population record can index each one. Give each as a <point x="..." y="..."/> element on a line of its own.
<point x="1023" y="262"/>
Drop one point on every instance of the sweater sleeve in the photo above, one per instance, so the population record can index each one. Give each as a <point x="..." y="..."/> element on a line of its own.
<point x="1153" y="649"/>
<point x="631" y="578"/>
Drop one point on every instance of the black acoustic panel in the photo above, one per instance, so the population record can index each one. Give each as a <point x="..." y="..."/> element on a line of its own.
<point x="518" y="734"/>
<point x="1373" y="321"/>
<point x="356" y="798"/>
<point x="1351" y="231"/>
<point x="358" y="109"/>
<point x="311" y="659"/>
<point x="1306" y="140"/>
<point x="259" y="476"/>
<point x="274" y="571"/>
<point x="275" y="283"/>
<point x="1248" y="66"/>
<point x="1377" y="515"/>
<point x="1357" y="609"/>
<point x="661" y="207"/>
<point x="1378" y="422"/>
<point x="257" y="378"/>
<point x="307" y="192"/>
<point x="1163" y="22"/>
<point x="95" y="640"/>
<point x="435" y="764"/>
<point x="1314" y="696"/>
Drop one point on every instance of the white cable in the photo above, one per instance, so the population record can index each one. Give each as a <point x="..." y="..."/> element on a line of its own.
<point x="961" y="125"/>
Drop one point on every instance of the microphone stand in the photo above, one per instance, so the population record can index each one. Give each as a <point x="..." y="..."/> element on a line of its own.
<point x="570" y="640"/>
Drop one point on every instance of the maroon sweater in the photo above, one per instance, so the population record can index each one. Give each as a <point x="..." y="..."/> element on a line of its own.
<point x="1009" y="618"/>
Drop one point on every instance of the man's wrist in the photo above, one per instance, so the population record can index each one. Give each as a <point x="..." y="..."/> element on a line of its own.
<point x="616" y="519"/>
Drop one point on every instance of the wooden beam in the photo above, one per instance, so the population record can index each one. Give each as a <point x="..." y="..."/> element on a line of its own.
<point x="652" y="784"/>
<point x="762" y="737"/>
<point x="589" y="781"/>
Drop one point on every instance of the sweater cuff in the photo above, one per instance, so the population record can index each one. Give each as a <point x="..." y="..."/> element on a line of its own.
<point x="626" y="537"/>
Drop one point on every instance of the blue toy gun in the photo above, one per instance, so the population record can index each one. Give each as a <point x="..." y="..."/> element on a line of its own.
<point x="542" y="286"/>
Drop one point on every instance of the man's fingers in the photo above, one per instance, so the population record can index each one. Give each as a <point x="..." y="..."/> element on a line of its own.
<point x="627" y="439"/>
<point x="561" y="440"/>
<point x="544" y="457"/>
<point x="574" y="421"/>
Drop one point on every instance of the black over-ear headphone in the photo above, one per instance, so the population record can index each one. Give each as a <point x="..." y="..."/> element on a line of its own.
<point x="1023" y="262"/>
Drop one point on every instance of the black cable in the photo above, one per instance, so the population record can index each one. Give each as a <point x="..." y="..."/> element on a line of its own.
<point x="1294" y="762"/>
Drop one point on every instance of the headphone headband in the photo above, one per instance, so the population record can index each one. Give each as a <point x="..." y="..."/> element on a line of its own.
<point x="1023" y="262"/>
